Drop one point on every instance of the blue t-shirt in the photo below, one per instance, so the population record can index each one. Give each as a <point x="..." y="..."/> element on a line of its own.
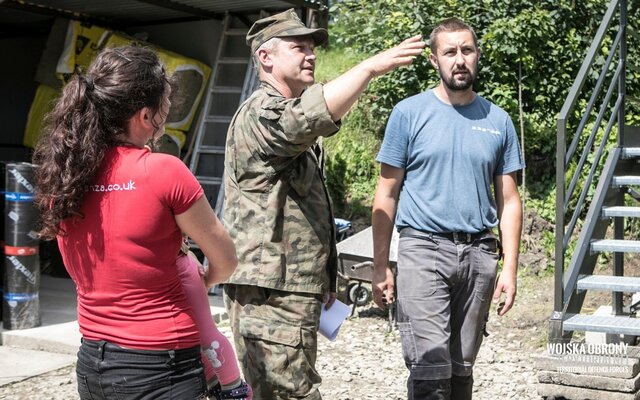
<point x="450" y="155"/>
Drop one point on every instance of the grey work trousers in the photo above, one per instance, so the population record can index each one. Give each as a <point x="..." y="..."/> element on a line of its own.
<point x="444" y="294"/>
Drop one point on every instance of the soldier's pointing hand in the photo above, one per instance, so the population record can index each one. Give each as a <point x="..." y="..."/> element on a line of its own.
<point x="402" y="54"/>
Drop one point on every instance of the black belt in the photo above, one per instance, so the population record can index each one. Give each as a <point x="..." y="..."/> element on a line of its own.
<point x="456" y="237"/>
<point x="461" y="237"/>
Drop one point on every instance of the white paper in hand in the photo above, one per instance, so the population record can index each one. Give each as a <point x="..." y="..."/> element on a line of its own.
<point x="331" y="320"/>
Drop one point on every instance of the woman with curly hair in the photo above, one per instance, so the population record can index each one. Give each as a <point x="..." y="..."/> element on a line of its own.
<point x="118" y="212"/>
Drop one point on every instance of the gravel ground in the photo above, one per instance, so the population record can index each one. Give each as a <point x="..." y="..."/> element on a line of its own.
<point x="365" y="361"/>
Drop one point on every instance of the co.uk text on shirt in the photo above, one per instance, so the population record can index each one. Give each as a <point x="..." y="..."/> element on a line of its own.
<point x="114" y="187"/>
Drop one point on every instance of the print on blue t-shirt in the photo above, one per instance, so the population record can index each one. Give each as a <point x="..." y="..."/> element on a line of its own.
<point x="450" y="155"/>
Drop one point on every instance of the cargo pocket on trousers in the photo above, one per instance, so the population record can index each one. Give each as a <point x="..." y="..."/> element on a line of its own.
<point x="275" y="345"/>
<point x="483" y="289"/>
<point x="269" y="331"/>
<point x="408" y="342"/>
<point x="280" y="355"/>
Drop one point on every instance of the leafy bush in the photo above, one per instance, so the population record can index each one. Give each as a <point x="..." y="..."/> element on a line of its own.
<point x="351" y="168"/>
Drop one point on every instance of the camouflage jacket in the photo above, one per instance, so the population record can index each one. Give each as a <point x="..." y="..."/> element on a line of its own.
<point x="277" y="208"/>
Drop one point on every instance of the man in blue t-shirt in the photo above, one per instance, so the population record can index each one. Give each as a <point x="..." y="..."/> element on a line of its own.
<point x="448" y="177"/>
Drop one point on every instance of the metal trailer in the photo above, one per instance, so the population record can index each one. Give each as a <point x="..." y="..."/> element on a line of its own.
<point x="355" y="265"/>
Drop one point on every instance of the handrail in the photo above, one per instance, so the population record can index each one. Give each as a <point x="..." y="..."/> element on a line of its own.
<point x="594" y="95"/>
<point x="592" y="170"/>
<point x="589" y="144"/>
<point x="622" y="90"/>
<point x="564" y="157"/>
<point x="588" y="61"/>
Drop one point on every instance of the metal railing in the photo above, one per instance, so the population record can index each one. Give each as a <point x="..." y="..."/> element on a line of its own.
<point x="570" y="201"/>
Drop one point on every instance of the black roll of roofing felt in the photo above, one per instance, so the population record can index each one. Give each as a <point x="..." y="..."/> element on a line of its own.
<point x="21" y="277"/>
<point x="2" y="190"/>
<point x="21" y="301"/>
<point x="20" y="221"/>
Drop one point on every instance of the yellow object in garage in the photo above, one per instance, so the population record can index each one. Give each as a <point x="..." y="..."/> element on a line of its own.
<point x="82" y="43"/>
<point x="177" y="136"/>
<point x="189" y="77"/>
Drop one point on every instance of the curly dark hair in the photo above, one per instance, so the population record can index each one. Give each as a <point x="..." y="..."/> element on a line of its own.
<point x="91" y="115"/>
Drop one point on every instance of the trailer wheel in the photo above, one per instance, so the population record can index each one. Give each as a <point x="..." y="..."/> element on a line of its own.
<point x="359" y="295"/>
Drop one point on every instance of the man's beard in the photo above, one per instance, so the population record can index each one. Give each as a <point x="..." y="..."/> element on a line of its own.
<point x="455" y="85"/>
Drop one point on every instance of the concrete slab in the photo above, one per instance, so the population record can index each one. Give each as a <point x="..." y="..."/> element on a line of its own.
<point x="571" y="392"/>
<point x="19" y="364"/>
<point x="624" y="367"/>
<point x="590" y="381"/>
<point x="61" y="338"/>
<point x="58" y="332"/>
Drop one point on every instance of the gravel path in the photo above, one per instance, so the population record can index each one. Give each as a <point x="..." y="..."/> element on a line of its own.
<point x="365" y="362"/>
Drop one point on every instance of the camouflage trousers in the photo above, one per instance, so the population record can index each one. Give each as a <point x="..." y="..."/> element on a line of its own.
<point x="275" y="334"/>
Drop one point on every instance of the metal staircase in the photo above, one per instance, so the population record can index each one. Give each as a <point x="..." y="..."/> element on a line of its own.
<point x="580" y="167"/>
<point x="233" y="80"/>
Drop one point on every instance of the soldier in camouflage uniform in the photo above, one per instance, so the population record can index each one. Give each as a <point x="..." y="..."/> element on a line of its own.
<point x="277" y="209"/>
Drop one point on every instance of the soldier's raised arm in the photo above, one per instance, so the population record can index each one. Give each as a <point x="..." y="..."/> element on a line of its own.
<point x="342" y="92"/>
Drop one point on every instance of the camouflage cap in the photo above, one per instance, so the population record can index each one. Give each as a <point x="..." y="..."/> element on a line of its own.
<point x="285" y="24"/>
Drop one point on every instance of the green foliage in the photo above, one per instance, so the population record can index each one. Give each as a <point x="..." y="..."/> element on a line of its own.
<point x="351" y="169"/>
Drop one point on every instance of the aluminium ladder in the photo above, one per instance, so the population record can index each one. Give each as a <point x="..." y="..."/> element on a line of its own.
<point x="233" y="79"/>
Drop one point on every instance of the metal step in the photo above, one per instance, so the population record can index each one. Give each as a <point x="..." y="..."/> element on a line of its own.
<point x="208" y="180"/>
<point x="598" y="323"/>
<point x="626" y="180"/>
<point x="211" y="149"/>
<point x="218" y="117"/>
<point x="609" y="283"/>
<point x="226" y="89"/>
<point x="618" y="246"/>
<point x="222" y="119"/>
<point x="620" y="211"/>
<point x="236" y="32"/>
<point x="631" y="152"/>
<point x="233" y="60"/>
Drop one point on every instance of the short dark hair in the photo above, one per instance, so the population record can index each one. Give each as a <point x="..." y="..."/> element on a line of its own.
<point x="450" y="25"/>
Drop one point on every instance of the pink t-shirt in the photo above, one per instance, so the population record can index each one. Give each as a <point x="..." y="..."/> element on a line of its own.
<point x="122" y="254"/>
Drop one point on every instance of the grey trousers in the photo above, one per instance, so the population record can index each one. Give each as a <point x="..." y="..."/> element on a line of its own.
<point x="444" y="294"/>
